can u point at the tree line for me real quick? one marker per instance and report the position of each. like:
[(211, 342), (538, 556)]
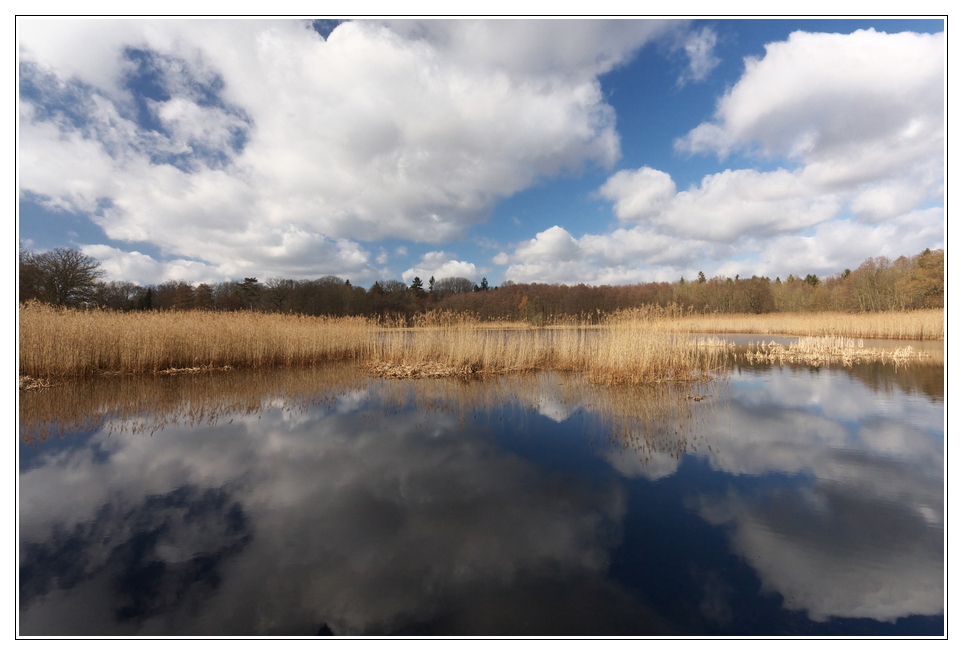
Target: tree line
[(67, 277)]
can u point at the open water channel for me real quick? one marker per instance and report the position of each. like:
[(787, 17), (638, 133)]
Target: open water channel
[(779, 500)]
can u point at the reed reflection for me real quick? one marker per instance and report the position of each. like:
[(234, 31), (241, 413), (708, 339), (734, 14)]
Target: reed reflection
[(653, 418), (913, 377)]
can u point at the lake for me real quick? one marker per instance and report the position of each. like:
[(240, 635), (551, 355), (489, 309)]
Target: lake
[(779, 500)]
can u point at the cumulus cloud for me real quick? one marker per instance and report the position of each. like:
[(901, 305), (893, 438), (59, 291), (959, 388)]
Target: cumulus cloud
[(139, 268), (837, 99), (856, 124), (558, 48), (440, 264), (623, 256), (239, 140), (639, 194)]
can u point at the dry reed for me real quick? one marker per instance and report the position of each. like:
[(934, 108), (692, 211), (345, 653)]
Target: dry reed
[(820, 351), (631, 347), (924, 324), (62, 342), (65, 342), (623, 353)]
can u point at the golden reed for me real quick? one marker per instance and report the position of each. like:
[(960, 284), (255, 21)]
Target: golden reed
[(58, 343), (637, 346), (65, 342), (917, 325)]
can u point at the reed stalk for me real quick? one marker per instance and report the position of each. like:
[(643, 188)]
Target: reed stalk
[(630, 347)]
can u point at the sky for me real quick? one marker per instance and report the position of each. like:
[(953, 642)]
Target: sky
[(560, 151)]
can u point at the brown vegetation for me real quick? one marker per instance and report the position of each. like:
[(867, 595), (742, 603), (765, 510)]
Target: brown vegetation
[(923, 324), (819, 351), (67, 342), (629, 347), (622, 351)]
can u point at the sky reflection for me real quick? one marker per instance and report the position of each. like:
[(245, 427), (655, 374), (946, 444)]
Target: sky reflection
[(278, 505)]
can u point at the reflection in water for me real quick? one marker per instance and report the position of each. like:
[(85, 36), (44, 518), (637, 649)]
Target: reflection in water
[(857, 531), (653, 419), (783, 501), (908, 377)]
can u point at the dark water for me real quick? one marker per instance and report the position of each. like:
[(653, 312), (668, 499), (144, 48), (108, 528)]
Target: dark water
[(782, 501)]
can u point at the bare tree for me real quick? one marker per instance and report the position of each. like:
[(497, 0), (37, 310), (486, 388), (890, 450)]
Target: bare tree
[(117, 295), (389, 286), (449, 285), (62, 276)]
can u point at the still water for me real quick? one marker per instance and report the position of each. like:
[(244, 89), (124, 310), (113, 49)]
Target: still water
[(778, 501)]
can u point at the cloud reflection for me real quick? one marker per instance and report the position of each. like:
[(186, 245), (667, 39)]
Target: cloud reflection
[(855, 526), (371, 521), (387, 507)]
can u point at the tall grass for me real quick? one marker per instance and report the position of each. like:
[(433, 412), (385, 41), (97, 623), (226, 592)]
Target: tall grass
[(819, 351), (630, 347), (61, 342), (65, 342), (637, 346), (624, 353), (923, 324)]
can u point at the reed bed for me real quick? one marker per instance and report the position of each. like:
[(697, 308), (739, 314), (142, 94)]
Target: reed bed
[(924, 324), (623, 353), (64, 342), (820, 351), (61, 342), (629, 347)]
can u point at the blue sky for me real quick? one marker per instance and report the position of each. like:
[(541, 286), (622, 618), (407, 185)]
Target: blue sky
[(603, 152)]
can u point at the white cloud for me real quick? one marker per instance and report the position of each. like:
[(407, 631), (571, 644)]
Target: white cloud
[(557, 48), (295, 253), (405, 129), (725, 206), (621, 257), (840, 100), (640, 193), (139, 268), (440, 264), (645, 254), (844, 243), (699, 48), (860, 119), (865, 125)]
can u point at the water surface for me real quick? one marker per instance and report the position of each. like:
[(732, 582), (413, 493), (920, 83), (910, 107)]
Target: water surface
[(780, 501)]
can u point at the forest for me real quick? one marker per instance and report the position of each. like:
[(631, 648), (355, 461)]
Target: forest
[(68, 278)]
